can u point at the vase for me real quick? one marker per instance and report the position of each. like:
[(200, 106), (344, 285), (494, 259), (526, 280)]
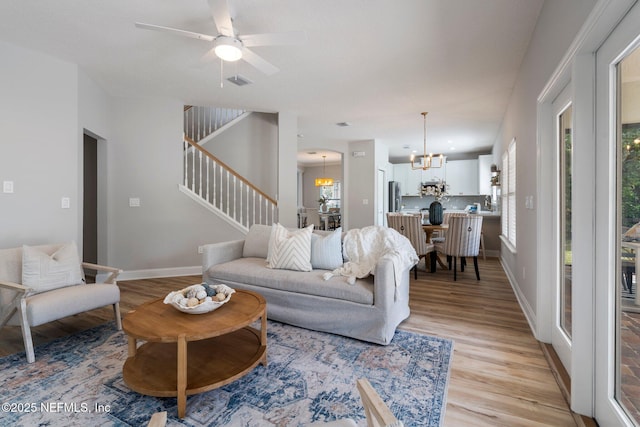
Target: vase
[(435, 213), (324, 208)]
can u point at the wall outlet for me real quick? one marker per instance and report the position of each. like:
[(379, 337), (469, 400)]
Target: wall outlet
[(365, 201), (65, 203)]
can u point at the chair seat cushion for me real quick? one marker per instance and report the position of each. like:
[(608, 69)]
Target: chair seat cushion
[(63, 302)]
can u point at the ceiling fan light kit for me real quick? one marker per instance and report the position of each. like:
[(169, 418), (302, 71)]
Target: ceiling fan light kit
[(428, 160), (228, 48)]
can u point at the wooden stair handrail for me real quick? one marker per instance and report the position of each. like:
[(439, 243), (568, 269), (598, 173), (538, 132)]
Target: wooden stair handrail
[(230, 169)]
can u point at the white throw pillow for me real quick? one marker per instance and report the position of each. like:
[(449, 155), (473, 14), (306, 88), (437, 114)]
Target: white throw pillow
[(290, 250), (43, 272), (326, 251)]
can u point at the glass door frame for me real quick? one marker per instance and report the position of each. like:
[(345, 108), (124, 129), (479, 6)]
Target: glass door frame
[(624, 39), (560, 341)]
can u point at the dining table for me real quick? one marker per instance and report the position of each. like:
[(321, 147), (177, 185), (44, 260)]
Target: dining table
[(326, 216), (429, 229)]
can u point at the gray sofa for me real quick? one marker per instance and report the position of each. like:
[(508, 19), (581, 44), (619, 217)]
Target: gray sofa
[(369, 310)]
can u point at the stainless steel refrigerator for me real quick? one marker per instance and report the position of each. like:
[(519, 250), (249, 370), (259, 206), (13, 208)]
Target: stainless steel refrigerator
[(395, 196)]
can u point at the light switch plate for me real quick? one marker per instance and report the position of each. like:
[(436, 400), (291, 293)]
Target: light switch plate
[(7, 186), (134, 202), (65, 203)]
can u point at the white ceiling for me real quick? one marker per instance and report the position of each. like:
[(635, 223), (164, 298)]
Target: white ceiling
[(376, 64)]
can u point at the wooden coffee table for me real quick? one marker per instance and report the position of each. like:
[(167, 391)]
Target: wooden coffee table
[(186, 354)]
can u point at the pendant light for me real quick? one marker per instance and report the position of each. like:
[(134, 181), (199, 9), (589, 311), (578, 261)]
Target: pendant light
[(323, 182), (428, 160)]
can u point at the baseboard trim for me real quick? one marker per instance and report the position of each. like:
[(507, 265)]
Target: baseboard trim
[(528, 312), (564, 382)]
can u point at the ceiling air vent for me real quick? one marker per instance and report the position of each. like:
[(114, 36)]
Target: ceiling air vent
[(239, 80)]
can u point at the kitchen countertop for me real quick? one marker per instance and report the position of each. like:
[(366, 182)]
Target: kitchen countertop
[(483, 213)]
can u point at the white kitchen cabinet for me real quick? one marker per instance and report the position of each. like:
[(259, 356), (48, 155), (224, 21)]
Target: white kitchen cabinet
[(411, 179), (400, 175), (484, 174), (414, 179), (436, 174), (462, 177)]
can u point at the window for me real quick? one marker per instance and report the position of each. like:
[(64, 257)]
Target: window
[(509, 194), (332, 193)]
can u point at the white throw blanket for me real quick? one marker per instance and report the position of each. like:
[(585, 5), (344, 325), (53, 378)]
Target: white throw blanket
[(363, 247)]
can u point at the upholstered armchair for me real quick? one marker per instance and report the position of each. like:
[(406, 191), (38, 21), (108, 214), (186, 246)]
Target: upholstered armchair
[(41, 284)]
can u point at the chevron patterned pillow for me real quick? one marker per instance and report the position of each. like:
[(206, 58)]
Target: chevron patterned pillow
[(290, 250)]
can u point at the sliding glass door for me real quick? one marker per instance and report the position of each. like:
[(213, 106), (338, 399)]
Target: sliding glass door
[(617, 228)]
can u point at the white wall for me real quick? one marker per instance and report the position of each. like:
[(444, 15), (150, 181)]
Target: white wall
[(38, 148), (251, 149), (46, 105), (558, 24), (144, 161), (287, 169)]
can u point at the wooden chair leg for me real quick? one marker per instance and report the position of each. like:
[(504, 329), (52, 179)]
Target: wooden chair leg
[(116, 313), (455, 269), (463, 263), (26, 332), (475, 264)]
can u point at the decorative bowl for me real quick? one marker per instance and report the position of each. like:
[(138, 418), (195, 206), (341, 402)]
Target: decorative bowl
[(199, 299)]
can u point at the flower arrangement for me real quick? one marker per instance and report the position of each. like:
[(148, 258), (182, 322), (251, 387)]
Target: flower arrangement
[(439, 191), (323, 200)]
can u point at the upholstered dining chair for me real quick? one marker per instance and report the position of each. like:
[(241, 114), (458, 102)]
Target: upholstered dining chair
[(462, 241), (410, 226), (313, 217), (445, 220)]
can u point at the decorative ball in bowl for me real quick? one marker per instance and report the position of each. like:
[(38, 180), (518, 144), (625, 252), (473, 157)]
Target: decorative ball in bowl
[(199, 299)]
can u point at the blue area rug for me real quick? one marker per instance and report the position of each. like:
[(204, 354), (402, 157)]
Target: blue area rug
[(311, 376)]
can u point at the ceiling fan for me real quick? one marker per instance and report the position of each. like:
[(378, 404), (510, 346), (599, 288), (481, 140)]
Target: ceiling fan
[(230, 46)]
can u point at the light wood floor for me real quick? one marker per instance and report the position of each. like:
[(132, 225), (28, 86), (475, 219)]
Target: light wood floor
[(499, 376)]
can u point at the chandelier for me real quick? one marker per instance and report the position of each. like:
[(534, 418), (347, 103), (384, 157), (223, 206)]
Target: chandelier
[(428, 160), (323, 182)]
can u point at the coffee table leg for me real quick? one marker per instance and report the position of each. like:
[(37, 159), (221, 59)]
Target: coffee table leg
[(133, 346), (182, 376), (263, 337)]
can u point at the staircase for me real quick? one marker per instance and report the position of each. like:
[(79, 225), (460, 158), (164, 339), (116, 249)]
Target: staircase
[(212, 183)]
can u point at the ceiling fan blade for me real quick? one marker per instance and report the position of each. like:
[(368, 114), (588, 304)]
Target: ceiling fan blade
[(175, 31), (273, 39), (222, 17), (259, 62), (209, 56)]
